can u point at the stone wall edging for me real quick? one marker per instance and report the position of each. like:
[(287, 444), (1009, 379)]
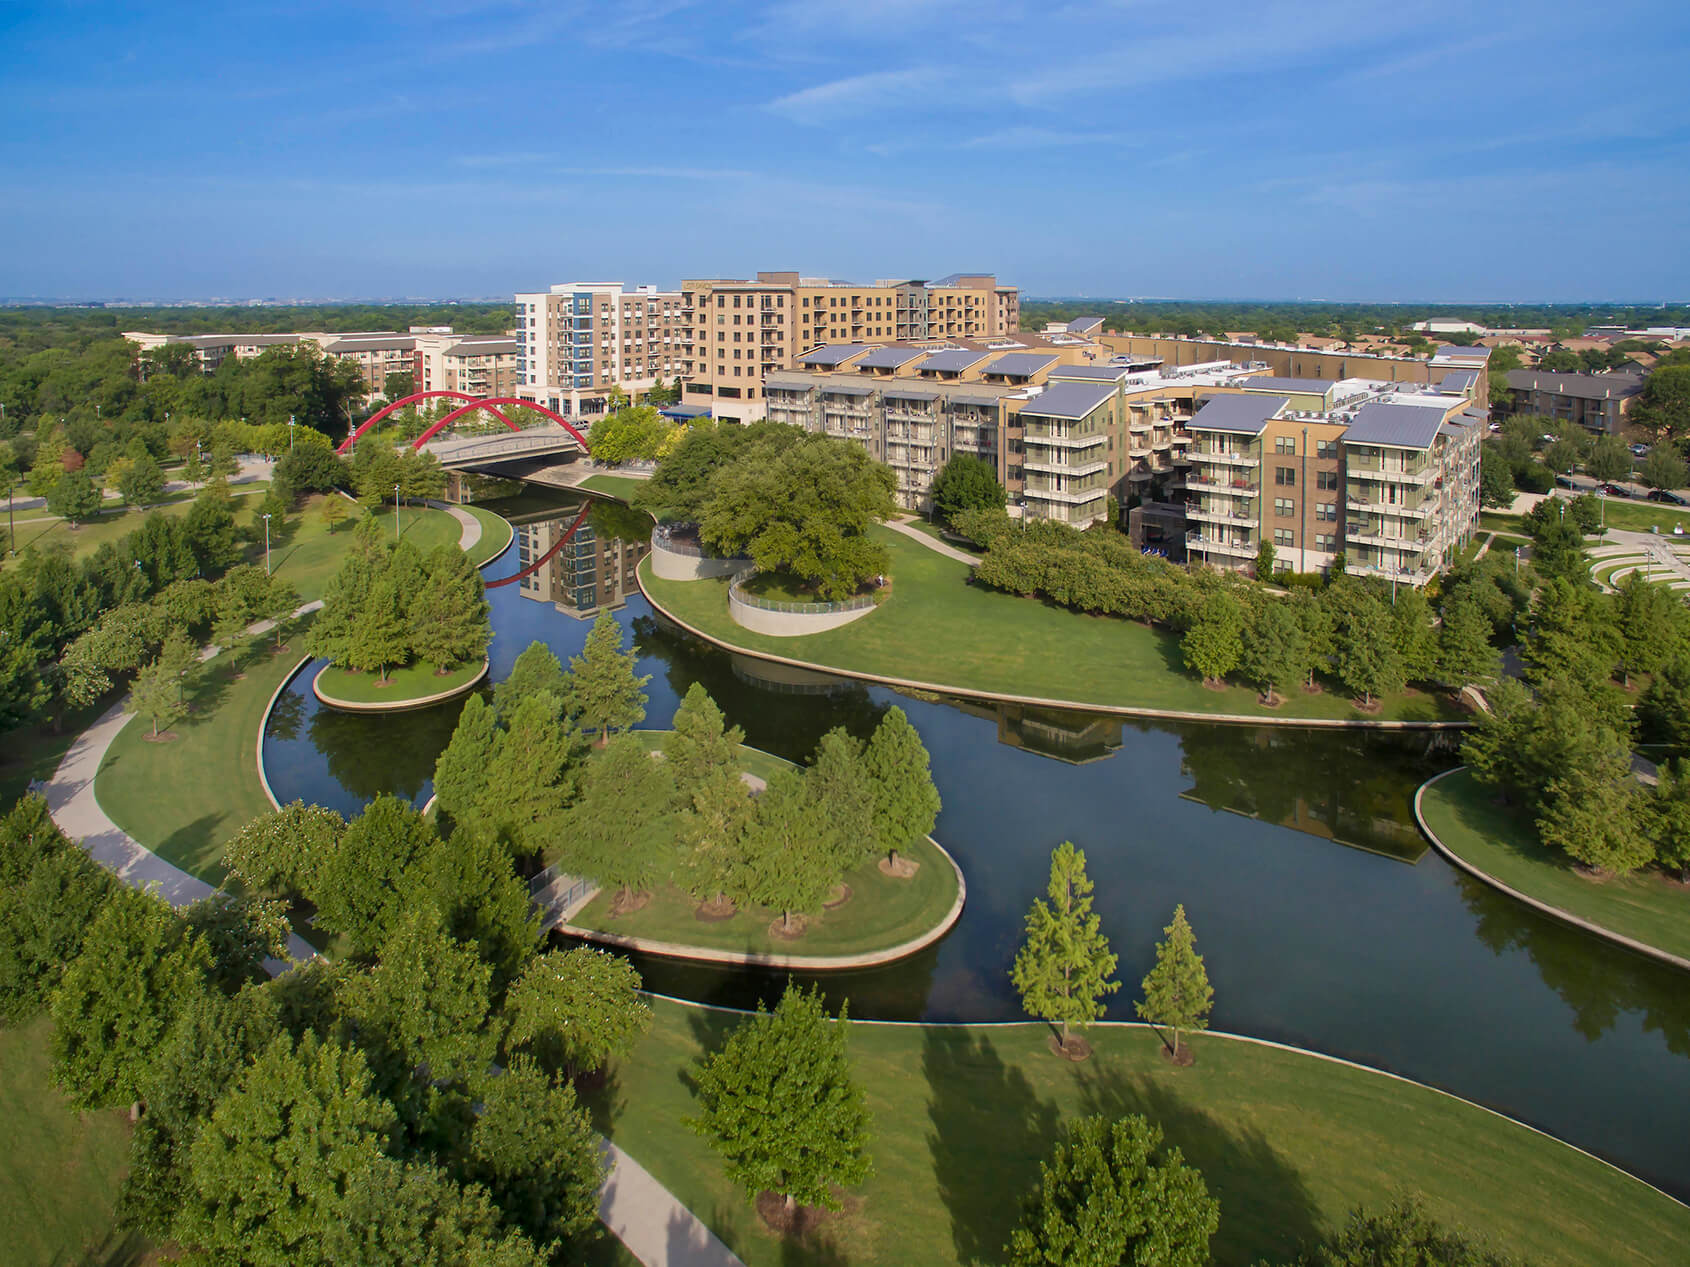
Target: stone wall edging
[(398, 706), (800, 963), (1554, 912), (1116, 710), (264, 727), (1226, 1037)]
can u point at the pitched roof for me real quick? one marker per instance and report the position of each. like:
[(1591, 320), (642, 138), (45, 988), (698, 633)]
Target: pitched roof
[(1452, 352), (1239, 413), (1584, 386), (1458, 380), (833, 354), (888, 358), (1403, 425), (1021, 364), (1068, 400), (953, 360)]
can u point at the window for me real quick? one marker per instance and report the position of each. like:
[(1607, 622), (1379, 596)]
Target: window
[(1284, 538), (1326, 448), (1285, 476), (1326, 479), (1285, 444), (1327, 511), (1325, 541), (1284, 507)]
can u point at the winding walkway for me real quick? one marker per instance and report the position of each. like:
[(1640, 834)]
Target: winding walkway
[(469, 527), (644, 1215), (932, 543)]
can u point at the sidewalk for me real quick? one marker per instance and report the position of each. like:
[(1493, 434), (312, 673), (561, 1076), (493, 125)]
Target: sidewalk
[(932, 543)]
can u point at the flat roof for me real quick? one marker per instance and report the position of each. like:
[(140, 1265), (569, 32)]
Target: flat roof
[(1248, 414), (953, 360), (1398, 423), (975, 395), (833, 354), (840, 388), (1093, 373), (888, 358), (1273, 383), (1021, 364), (1068, 400), (402, 343)]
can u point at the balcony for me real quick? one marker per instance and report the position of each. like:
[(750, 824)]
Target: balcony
[(1230, 457), (1078, 470), (1221, 514), (1212, 482), (1391, 474), (1198, 543), (1375, 535), (1367, 506)]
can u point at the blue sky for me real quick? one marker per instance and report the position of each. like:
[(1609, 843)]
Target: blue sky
[(1342, 149)]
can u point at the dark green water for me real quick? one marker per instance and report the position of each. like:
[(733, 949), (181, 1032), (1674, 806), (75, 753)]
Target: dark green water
[(1323, 919)]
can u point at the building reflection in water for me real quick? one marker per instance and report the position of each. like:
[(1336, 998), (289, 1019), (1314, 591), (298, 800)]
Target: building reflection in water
[(592, 571)]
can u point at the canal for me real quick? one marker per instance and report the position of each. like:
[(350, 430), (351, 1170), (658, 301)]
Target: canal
[(1324, 920)]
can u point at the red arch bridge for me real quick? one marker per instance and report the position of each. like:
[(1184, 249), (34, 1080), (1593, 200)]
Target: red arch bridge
[(524, 443)]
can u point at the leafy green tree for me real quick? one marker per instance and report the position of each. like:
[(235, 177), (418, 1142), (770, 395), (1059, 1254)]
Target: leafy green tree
[(1664, 709), (156, 696), (379, 638), (1415, 640), (778, 1104), (138, 966), (1465, 653), (239, 933), (1668, 817), (143, 482), (787, 862), (606, 690), (1496, 480), (398, 384), (806, 512), (1651, 625), (966, 483), (74, 497), (1276, 654), (1663, 406), (277, 605), (712, 833), (270, 1172), (1403, 1233), (1609, 459), (409, 1213), (285, 851), (1369, 660), (1177, 994), (536, 670), (577, 1010), (700, 744), (614, 832), (483, 902), (1663, 468), (533, 1148), (368, 881), (50, 892), (1110, 1194), (1318, 623), (532, 777), (1593, 814), (906, 804), (637, 433), (460, 772), (448, 615), (1211, 646), (334, 512), (1064, 968), (838, 782), (1264, 560)]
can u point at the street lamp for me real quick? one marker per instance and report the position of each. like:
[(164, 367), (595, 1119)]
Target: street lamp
[(290, 433), (396, 512), (266, 519)]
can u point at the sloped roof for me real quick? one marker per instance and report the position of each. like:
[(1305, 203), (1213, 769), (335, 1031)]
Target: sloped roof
[(1408, 426), (1068, 400), (1248, 414)]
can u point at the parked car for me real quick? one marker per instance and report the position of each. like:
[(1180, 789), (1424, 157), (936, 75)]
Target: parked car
[(1639, 450), (1617, 490), (1565, 481), (1546, 438), (1668, 496)]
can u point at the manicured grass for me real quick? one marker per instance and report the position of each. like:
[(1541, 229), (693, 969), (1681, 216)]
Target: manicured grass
[(622, 486), (882, 913), (47, 533), (1286, 1142), (186, 799), (937, 628), (1497, 839), (939, 534), (59, 1183), (413, 682), (309, 554), (496, 534), (777, 587), (1500, 521), (1640, 516)]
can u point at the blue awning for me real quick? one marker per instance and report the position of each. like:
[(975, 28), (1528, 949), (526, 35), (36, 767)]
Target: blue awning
[(685, 413)]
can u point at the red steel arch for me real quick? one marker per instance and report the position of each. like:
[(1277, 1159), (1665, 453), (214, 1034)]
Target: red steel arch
[(411, 400), (488, 403), (542, 560)]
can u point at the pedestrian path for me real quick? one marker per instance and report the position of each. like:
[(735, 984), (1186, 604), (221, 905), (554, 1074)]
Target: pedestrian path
[(469, 527), (643, 1214), (932, 543)]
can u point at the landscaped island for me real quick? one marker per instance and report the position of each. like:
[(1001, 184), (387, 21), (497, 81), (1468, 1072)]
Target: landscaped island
[(938, 631), (414, 686), (1287, 1142), (1465, 820)]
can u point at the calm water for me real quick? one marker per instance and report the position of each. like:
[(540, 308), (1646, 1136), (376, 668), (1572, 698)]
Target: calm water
[(1323, 919)]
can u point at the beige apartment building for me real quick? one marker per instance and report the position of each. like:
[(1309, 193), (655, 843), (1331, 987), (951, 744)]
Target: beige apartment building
[(478, 365), (589, 573), (740, 331), (579, 340)]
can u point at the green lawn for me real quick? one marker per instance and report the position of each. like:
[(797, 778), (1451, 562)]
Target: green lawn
[(765, 765), (58, 1187), (308, 554), (496, 534), (185, 800), (621, 486), (45, 532), (882, 913), (1646, 906), (1286, 1142), (939, 534), (937, 628), (1640, 516), (413, 682)]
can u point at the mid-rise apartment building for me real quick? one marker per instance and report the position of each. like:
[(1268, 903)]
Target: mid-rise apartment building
[(479, 365), (1596, 402), (375, 355), (579, 340), (738, 331)]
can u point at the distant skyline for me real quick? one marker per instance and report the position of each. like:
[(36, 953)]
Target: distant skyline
[(1336, 150)]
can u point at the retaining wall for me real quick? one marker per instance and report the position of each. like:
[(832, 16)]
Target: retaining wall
[(683, 565)]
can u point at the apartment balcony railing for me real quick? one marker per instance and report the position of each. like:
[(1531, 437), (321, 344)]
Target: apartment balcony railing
[(1066, 497), (1210, 481), (1197, 541), (1065, 442), (1375, 535), (1380, 472), (1076, 470), (1230, 457), (1220, 514), (1408, 576), (1369, 506)]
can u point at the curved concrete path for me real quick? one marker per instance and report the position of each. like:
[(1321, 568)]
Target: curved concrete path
[(469, 527), (932, 543)]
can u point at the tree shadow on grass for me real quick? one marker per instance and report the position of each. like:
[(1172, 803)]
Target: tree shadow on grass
[(196, 847), (114, 1249), (990, 1132), (603, 1099), (1266, 1208)]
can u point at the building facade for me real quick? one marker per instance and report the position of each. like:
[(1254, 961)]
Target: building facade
[(1596, 402), (479, 365), (582, 576), (579, 341)]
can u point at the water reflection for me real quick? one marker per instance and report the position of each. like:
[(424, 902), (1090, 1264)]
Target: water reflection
[(1346, 950)]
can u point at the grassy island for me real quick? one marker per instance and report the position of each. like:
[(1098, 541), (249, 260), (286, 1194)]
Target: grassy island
[(1286, 1141), (404, 688), (937, 629), (1465, 817)]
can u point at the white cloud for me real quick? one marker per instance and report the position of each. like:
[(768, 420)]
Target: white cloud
[(853, 95)]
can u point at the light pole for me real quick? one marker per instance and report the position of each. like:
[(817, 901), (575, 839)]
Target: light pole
[(290, 433), (396, 512), (266, 519)]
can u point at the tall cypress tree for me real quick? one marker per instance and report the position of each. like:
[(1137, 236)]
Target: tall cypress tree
[(606, 689), (701, 745), (1177, 994), (906, 804), (1063, 969)]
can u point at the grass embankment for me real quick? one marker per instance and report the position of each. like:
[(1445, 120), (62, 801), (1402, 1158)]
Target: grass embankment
[(58, 1189), (496, 534), (186, 799), (1288, 1143), (403, 687), (620, 486), (1646, 906), (937, 628)]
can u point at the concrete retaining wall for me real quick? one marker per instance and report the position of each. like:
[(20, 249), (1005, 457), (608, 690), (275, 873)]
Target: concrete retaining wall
[(673, 565), (788, 624)]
